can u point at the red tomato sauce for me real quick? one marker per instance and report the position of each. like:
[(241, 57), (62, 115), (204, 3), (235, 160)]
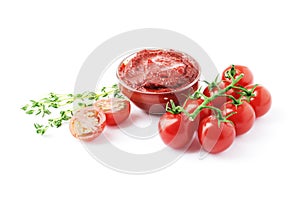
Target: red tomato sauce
[(158, 71)]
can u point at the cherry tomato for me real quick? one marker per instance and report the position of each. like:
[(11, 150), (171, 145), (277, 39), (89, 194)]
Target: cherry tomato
[(215, 138), (262, 100), (219, 101), (244, 116), (87, 123), (176, 130), (116, 110), (239, 69)]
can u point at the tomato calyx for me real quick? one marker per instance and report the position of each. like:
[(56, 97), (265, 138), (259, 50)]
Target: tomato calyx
[(230, 73), (198, 94), (247, 93), (173, 109), (214, 84)]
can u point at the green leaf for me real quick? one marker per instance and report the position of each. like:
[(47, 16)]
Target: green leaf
[(50, 122), (30, 112), (47, 112), (103, 89), (25, 107), (81, 104), (57, 123), (38, 112), (36, 125), (53, 96), (115, 86), (41, 131), (91, 98), (35, 103), (54, 105), (66, 118)]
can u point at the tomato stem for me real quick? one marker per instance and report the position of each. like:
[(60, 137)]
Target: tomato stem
[(234, 100), (247, 93), (217, 110)]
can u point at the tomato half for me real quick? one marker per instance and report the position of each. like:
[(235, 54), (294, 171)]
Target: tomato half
[(215, 138), (239, 69), (176, 130), (244, 116), (261, 101), (116, 110), (87, 123)]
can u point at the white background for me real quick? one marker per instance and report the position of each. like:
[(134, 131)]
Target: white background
[(43, 45)]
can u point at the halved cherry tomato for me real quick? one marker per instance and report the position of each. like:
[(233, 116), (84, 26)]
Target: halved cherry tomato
[(176, 130), (215, 138), (239, 69), (116, 110), (87, 123), (244, 116), (262, 100)]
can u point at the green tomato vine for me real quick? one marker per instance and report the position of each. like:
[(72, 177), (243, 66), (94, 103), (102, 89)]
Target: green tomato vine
[(244, 94)]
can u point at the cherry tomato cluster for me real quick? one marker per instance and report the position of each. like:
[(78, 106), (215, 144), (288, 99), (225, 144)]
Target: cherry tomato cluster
[(89, 122), (223, 110)]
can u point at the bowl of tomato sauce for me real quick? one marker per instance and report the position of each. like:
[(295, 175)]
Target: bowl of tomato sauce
[(150, 78)]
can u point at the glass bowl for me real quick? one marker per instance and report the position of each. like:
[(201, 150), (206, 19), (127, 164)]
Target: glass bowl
[(150, 78)]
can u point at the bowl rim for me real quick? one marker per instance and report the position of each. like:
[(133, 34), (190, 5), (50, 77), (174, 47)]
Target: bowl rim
[(130, 56)]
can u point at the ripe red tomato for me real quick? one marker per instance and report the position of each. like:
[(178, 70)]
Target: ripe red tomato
[(244, 116), (116, 110), (176, 130), (262, 100), (239, 69), (87, 123), (214, 138), (219, 101)]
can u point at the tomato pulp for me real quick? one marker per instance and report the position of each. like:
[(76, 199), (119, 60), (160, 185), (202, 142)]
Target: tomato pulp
[(116, 110), (158, 71), (87, 123)]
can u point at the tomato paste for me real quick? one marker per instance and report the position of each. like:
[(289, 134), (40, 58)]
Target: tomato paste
[(158, 70)]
